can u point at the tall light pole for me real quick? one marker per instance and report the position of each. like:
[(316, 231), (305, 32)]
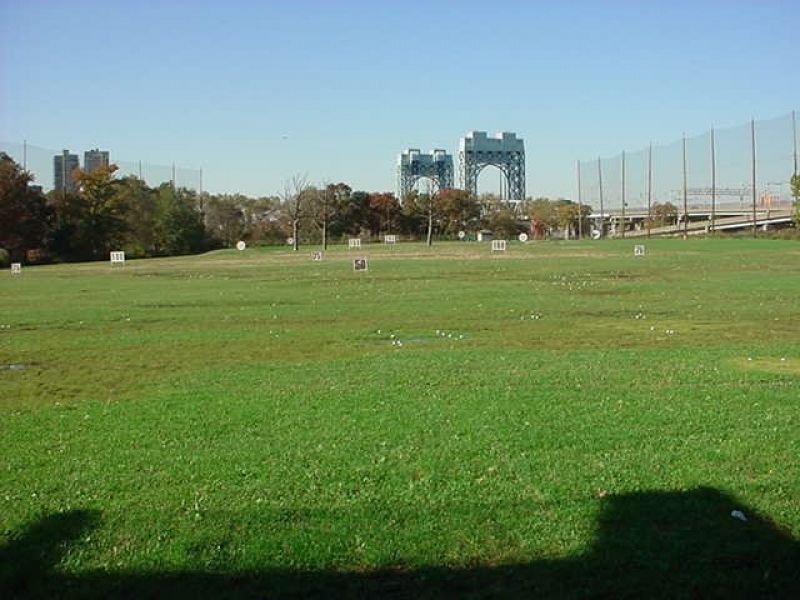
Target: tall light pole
[(685, 193), (713, 182), (602, 214), (753, 155), (649, 185), (580, 206), (623, 194)]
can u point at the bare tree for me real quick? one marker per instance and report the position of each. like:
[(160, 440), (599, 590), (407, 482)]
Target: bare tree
[(324, 210), (293, 200), (432, 196)]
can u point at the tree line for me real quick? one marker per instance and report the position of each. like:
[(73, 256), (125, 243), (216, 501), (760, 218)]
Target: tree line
[(106, 212)]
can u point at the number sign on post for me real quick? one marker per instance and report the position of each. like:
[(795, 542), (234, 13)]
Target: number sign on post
[(316, 256), (354, 243), (16, 268), (498, 245), (118, 258), (638, 250), (390, 238), (360, 264)]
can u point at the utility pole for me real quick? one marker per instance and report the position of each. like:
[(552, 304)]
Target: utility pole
[(25, 155), (649, 184), (602, 213), (753, 154), (580, 206), (713, 182), (685, 201), (623, 194)]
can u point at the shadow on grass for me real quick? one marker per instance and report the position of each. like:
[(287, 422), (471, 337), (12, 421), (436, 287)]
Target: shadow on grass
[(651, 544)]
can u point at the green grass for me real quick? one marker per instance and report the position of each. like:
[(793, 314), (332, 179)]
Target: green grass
[(241, 423)]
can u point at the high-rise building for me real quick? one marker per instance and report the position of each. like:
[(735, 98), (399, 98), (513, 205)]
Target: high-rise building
[(64, 165), (93, 159)]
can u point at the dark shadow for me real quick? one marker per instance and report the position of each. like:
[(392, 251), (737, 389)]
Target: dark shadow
[(649, 544)]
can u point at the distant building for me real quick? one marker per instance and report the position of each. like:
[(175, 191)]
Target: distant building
[(94, 159), (64, 165)]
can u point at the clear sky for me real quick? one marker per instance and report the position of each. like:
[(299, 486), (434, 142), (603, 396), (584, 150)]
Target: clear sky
[(254, 92)]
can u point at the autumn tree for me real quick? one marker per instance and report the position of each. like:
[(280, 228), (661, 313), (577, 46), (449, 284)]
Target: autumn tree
[(383, 211), (459, 210), (500, 217), (663, 214)]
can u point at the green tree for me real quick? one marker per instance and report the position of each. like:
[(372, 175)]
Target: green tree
[(184, 230), (263, 221), (225, 217), (144, 217), (24, 214)]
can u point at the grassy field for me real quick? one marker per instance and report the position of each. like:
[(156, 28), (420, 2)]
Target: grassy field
[(561, 420)]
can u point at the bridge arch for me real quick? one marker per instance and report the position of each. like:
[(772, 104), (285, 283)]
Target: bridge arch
[(504, 151)]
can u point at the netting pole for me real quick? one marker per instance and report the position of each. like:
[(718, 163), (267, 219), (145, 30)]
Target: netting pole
[(713, 182), (753, 155), (649, 184), (623, 194), (794, 139), (602, 213), (580, 206), (685, 201)]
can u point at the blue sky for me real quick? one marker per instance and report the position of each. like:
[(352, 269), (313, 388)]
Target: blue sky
[(254, 92)]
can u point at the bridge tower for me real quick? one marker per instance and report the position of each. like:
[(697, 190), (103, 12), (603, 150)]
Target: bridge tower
[(412, 166), (505, 151)]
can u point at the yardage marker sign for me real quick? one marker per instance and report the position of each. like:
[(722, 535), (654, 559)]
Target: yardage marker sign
[(118, 258), (498, 245), (354, 243), (360, 264)]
